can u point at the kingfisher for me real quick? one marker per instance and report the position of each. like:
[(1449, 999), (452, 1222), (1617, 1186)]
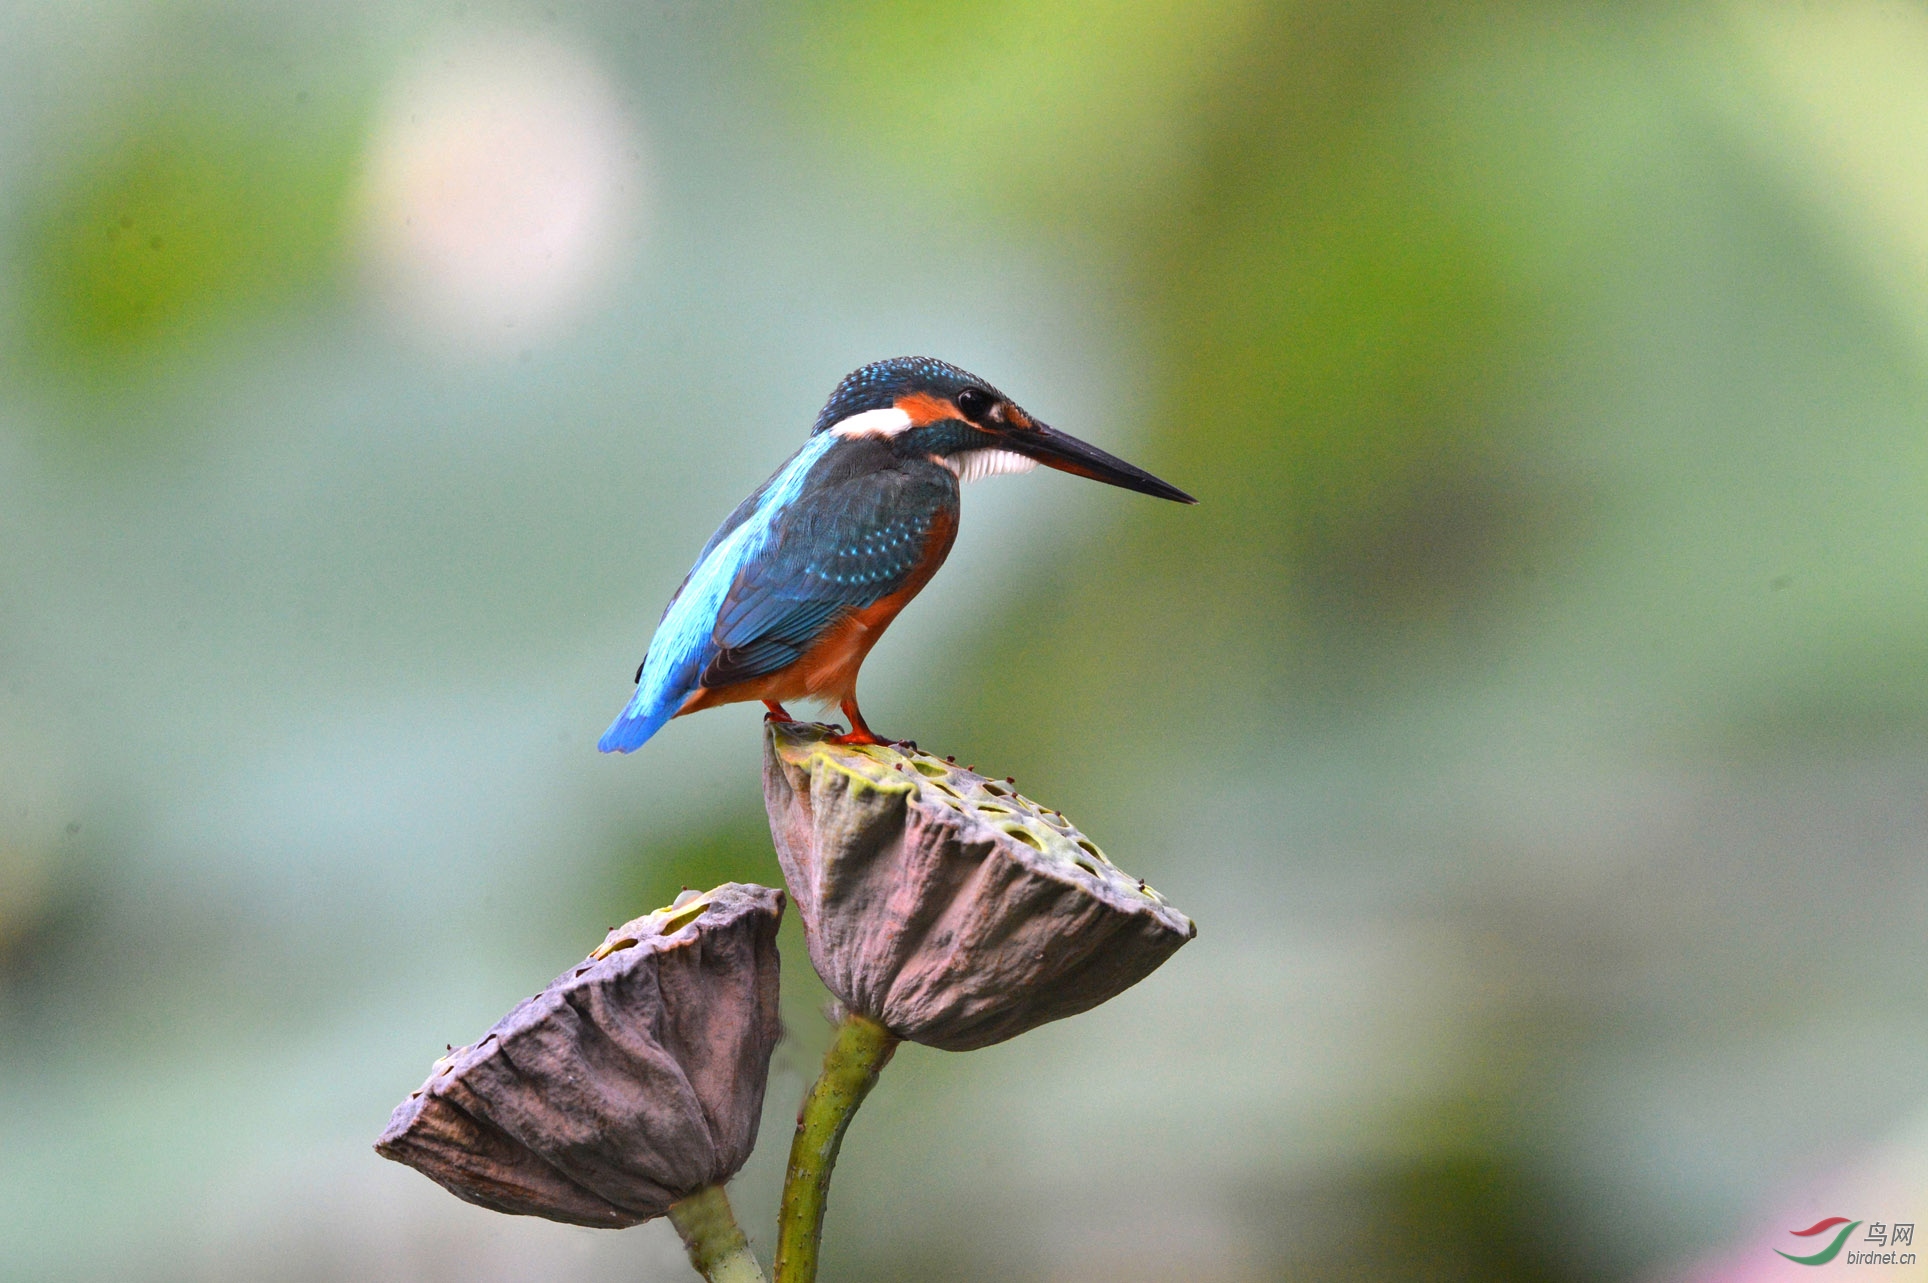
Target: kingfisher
[(796, 586)]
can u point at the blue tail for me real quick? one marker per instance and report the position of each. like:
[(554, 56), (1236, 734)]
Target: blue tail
[(637, 723)]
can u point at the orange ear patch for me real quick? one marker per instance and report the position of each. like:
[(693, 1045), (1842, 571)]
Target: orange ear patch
[(924, 408)]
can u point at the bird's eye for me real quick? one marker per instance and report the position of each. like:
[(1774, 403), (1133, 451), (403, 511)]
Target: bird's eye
[(974, 402)]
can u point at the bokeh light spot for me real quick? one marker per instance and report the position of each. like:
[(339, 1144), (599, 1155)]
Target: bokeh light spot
[(501, 182)]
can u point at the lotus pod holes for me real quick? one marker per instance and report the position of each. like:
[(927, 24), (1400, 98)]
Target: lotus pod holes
[(1025, 836), (688, 907)]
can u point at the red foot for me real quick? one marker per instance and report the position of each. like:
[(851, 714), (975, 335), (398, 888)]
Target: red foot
[(777, 713), (859, 732)]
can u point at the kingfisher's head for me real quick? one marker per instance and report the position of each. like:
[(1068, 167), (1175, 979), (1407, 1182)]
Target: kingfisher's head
[(928, 408)]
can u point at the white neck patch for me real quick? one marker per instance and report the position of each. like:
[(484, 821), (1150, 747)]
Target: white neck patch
[(972, 465), (887, 422)]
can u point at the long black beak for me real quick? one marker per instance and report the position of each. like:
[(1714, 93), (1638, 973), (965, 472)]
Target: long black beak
[(1061, 450)]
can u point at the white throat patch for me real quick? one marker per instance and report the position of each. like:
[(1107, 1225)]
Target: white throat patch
[(887, 422), (972, 465)]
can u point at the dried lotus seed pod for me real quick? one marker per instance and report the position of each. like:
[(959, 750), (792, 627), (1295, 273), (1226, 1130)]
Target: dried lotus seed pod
[(633, 1081), (944, 905)]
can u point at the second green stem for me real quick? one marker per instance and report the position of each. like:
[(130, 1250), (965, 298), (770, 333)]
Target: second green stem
[(859, 1052)]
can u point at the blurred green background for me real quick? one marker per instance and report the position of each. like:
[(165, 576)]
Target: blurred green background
[(1533, 713)]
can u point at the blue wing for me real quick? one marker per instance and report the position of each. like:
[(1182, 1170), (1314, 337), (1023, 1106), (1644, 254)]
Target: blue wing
[(772, 584), (840, 548), (682, 644)]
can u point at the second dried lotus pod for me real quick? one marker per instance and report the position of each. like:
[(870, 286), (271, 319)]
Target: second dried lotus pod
[(632, 1082), (945, 906)]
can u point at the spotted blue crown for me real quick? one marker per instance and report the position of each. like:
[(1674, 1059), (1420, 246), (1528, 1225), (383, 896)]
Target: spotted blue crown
[(879, 384)]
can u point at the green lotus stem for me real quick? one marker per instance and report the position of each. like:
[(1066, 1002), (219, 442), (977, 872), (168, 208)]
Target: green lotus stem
[(716, 1244), (857, 1055)]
